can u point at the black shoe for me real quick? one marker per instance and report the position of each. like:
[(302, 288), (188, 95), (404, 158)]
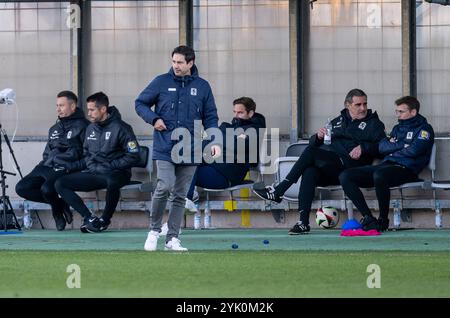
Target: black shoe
[(383, 225), (299, 228), (268, 193), (369, 223), (59, 221), (83, 227), (67, 213), (103, 225), (90, 225), (93, 225)]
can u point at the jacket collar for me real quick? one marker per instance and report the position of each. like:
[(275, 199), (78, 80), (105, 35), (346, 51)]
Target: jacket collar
[(415, 121), (187, 78)]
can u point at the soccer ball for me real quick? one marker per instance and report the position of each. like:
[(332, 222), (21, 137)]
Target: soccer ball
[(327, 217)]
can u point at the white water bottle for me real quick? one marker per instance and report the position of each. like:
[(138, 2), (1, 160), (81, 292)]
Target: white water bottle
[(438, 218), (27, 220), (207, 218), (397, 217), (327, 137)]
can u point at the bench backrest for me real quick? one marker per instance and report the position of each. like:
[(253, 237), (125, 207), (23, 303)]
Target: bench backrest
[(145, 159), (295, 150)]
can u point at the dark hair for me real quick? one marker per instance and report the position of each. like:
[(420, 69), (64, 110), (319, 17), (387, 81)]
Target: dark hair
[(99, 98), (409, 101), (354, 92), (69, 95), (247, 102), (186, 51)]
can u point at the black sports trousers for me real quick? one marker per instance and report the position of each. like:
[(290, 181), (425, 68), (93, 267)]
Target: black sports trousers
[(382, 177), (85, 182)]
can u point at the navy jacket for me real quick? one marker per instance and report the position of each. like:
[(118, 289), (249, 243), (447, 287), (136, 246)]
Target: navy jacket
[(110, 145), (178, 102), (64, 148), (235, 171), (414, 139), (347, 134)]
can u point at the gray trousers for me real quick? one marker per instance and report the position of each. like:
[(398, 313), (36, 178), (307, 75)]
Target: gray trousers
[(173, 180)]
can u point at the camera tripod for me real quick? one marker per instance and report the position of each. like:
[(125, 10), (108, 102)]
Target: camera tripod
[(5, 203), (6, 208)]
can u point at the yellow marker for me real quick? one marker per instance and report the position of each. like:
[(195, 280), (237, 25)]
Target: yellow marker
[(229, 205), (245, 214), (245, 218)]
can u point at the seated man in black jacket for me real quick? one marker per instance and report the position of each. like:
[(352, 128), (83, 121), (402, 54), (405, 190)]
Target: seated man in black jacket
[(235, 166), (61, 156), (110, 150), (354, 142), (407, 150)]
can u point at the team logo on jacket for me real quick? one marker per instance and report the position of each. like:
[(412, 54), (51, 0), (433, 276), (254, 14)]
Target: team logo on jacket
[(362, 125), (425, 135), (55, 135), (69, 134), (107, 135), (193, 91), (92, 136), (409, 135), (132, 146)]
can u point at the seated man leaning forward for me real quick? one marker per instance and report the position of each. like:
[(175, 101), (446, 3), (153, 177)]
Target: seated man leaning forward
[(235, 164), (407, 151), (354, 142), (62, 155), (110, 150)]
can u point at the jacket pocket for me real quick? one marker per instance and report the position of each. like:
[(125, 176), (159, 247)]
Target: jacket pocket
[(195, 109), (167, 110)]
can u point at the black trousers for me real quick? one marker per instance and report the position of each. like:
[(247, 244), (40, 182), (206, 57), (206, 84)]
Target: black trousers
[(317, 167), (39, 186), (382, 177), (85, 182)]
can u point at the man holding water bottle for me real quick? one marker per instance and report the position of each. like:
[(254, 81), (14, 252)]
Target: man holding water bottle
[(354, 134)]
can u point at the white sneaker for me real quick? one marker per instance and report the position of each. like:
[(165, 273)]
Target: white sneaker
[(152, 241), (197, 221), (190, 206), (174, 245)]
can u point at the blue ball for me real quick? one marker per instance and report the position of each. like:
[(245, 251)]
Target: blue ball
[(234, 246), (266, 242)]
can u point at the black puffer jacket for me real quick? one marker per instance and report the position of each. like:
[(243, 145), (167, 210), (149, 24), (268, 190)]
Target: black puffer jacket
[(348, 134), (64, 148), (232, 167), (110, 145)]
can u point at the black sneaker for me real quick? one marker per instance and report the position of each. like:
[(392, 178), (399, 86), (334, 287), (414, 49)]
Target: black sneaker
[(299, 228), (90, 225), (103, 225), (383, 225), (369, 223), (268, 193), (83, 227), (60, 222), (93, 226), (67, 213)]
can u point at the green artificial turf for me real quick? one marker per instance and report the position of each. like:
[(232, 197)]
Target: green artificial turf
[(231, 273)]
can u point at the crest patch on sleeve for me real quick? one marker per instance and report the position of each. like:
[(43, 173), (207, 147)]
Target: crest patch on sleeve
[(424, 135), (132, 146)]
